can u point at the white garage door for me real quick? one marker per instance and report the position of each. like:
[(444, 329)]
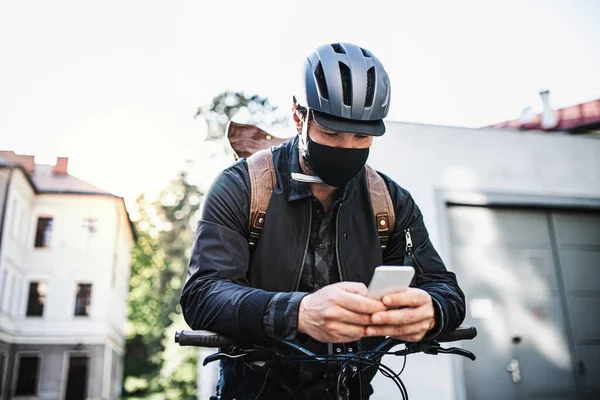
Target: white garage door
[(532, 281)]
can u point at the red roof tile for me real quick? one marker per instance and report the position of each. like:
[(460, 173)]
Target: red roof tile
[(574, 118)]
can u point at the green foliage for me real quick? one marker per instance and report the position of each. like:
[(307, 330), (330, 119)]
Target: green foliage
[(155, 367), (227, 105), (158, 269), (143, 334)]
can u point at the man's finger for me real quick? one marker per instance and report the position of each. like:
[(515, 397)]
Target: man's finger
[(346, 316), (353, 287), (412, 297), (403, 331), (359, 303), (403, 316), (342, 332)]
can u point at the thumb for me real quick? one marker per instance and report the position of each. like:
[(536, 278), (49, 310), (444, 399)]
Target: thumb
[(353, 287)]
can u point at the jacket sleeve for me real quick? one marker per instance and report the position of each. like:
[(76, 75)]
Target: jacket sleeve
[(431, 273), (216, 295)]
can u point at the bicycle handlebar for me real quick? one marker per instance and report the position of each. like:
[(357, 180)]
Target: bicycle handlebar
[(204, 338), (286, 350), (459, 334)]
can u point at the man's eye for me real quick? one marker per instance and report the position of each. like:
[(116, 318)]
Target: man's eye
[(331, 134)]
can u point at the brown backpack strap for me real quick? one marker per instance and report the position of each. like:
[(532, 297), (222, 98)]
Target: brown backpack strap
[(383, 207), (262, 182)]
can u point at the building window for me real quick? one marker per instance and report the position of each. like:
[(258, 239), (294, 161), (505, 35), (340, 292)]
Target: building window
[(28, 375), (43, 234), (36, 299), (90, 225), (82, 301), (3, 363)]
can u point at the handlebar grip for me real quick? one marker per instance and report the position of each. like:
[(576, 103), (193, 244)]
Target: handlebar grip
[(203, 339), (459, 334)]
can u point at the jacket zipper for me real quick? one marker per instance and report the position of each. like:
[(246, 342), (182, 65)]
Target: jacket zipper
[(337, 242), (409, 246), (305, 247)]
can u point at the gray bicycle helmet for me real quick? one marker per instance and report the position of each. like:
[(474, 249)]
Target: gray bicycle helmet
[(347, 89)]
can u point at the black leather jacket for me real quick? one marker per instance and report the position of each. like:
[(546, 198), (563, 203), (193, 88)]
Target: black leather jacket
[(228, 288)]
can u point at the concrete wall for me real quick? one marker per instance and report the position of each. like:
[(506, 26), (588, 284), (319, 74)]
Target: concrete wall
[(6, 349), (116, 376), (436, 163)]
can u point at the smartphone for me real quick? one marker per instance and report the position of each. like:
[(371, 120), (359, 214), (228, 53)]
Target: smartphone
[(388, 279)]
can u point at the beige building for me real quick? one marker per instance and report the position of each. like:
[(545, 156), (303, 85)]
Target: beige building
[(64, 269)]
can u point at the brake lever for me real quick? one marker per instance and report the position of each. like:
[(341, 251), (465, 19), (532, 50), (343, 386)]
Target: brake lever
[(433, 348), (213, 357), (247, 354), (458, 351)]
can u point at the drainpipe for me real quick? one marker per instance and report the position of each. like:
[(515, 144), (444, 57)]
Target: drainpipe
[(3, 217)]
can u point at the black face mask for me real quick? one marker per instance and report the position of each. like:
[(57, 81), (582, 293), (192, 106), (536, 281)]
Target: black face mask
[(336, 166)]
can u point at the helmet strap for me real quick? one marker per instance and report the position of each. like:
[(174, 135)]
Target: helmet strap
[(303, 148), (303, 142)]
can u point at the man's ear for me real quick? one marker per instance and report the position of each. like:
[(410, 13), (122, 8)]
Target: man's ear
[(297, 121)]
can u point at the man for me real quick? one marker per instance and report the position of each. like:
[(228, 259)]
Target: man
[(305, 279)]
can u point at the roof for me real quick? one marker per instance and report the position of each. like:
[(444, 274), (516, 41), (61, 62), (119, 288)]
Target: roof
[(578, 118), (46, 181), (48, 178), (5, 163)]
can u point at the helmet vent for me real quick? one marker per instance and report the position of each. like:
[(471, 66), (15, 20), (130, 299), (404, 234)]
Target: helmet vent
[(346, 83), (370, 87), (338, 48), (366, 53), (321, 83)]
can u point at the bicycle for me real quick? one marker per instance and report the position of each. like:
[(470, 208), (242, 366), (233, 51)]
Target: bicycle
[(348, 364)]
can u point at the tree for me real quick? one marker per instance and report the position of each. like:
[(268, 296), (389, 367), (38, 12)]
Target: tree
[(143, 333), (159, 265), (227, 105), (166, 227)]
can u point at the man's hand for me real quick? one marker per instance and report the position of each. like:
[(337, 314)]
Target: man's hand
[(338, 313), (410, 323)]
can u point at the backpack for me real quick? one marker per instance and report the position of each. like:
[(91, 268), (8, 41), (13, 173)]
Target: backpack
[(255, 144)]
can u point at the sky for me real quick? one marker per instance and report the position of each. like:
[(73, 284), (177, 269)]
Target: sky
[(114, 85)]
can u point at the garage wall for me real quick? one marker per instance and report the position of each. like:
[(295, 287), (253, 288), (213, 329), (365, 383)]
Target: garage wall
[(438, 162)]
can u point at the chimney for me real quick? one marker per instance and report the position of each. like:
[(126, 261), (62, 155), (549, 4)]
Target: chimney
[(24, 161), (61, 166), (549, 120)]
